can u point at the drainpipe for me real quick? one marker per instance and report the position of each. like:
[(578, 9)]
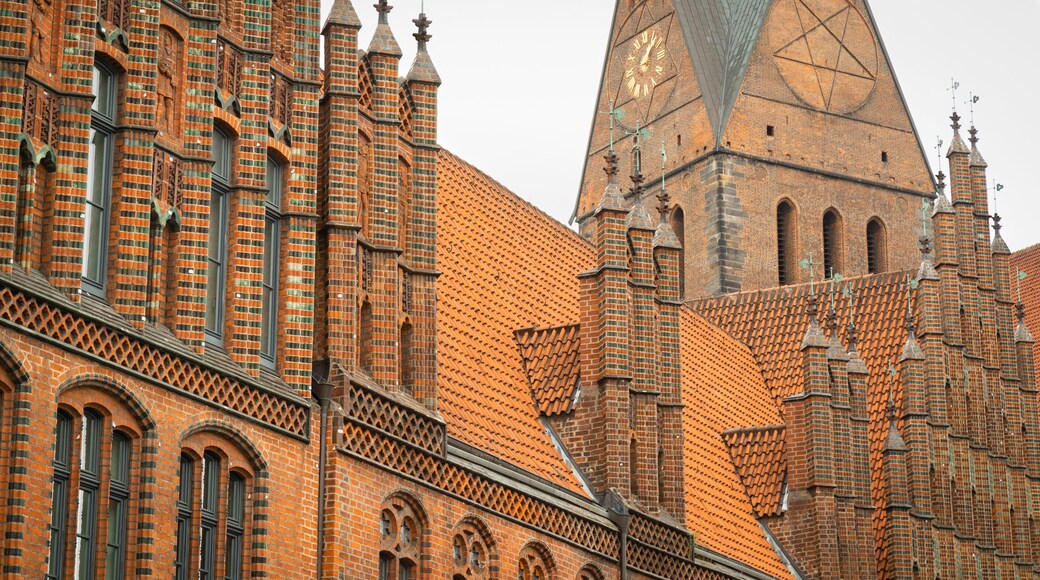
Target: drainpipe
[(618, 513), (322, 391)]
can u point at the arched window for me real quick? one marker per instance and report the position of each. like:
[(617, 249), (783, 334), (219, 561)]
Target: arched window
[(536, 563), (401, 531), (212, 513), (473, 551), (272, 262), (98, 194), (216, 259), (590, 572), (877, 247), (81, 454), (786, 250), (833, 243), (679, 227)]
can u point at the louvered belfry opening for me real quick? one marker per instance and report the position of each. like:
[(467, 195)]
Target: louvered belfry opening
[(785, 252), (876, 255), (831, 243)]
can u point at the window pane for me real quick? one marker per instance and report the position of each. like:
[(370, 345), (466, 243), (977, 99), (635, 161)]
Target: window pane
[(120, 460), (269, 317), (221, 156), (90, 456), (85, 534), (183, 546), (236, 500), (187, 477), (116, 539), (274, 183), (207, 552), (234, 557), (103, 91), (59, 502), (98, 196), (215, 274), (210, 482)]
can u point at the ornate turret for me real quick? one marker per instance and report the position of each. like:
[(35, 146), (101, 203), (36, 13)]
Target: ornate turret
[(343, 14), (383, 41), (422, 70)]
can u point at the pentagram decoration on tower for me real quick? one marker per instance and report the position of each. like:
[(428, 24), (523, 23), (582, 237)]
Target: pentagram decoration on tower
[(826, 52)]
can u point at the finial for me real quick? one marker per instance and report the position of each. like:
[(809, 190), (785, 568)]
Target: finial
[(637, 161), (383, 8), (996, 223), (851, 331), (810, 265), (612, 166), (423, 24), (892, 393), (972, 99), (956, 122), (925, 210), (832, 312), (997, 188), (974, 139), (615, 115), (911, 285), (942, 181), (665, 200)]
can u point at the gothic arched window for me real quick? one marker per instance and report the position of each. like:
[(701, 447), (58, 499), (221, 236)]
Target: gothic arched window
[(877, 247), (536, 563), (473, 551), (786, 250), (833, 243), (590, 572), (401, 529)]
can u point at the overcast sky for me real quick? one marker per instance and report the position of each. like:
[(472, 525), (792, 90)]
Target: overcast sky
[(521, 78)]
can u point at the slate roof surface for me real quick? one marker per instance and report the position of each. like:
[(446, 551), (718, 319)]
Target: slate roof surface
[(507, 301), (758, 455), (552, 362), (1028, 261), (505, 266), (721, 36)]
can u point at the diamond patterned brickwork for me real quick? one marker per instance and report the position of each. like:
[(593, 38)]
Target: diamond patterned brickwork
[(551, 361), (372, 408), (758, 455), (37, 315)]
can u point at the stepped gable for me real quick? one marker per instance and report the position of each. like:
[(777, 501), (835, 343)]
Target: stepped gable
[(551, 359), (505, 265), (722, 389), (758, 455), (1028, 261), (721, 37)]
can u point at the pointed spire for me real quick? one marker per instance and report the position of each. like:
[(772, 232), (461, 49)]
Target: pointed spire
[(894, 442), (957, 146), (612, 199), (383, 41), (976, 156), (422, 70), (343, 14), (999, 245), (814, 336), (856, 364), (942, 203)]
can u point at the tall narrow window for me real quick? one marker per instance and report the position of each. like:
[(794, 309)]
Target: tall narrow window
[(679, 227), (99, 180), (407, 359), (185, 494), (236, 517), (272, 254), (119, 498), (877, 247), (216, 272), (786, 253), (60, 495), (210, 500), (832, 243), (89, 482), (633, 466)]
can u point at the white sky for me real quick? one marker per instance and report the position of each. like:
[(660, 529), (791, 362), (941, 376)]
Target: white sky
[(521, 78)]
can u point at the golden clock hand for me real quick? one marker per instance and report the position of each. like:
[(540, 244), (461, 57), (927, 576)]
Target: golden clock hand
[(646, 58)]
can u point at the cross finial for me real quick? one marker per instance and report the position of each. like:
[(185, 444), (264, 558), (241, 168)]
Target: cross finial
[(911, 285), (423, 24), (383, 7)]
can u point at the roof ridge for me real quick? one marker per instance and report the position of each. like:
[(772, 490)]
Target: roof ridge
[(793, 288), (499, 186)]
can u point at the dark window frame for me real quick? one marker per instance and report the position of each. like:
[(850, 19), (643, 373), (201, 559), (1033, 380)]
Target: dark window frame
[(236, 527), (185, 514), (272, 263), (98, 205), (217, 255), (209, 515), (62, 464), (90, 475), (118, 506)]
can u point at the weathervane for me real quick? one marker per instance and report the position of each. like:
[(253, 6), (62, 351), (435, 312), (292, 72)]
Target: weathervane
[(997, 188), (954, 85), (972, 100), (810, 265), (1021, 276)]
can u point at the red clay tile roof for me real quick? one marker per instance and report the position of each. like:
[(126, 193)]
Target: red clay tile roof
[(552, 362), (773, 322), (508, 266), (1028, 261), (758, 455), (722, 390), (505, 265)]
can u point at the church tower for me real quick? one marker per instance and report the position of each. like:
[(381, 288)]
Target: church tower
[(786, 133)]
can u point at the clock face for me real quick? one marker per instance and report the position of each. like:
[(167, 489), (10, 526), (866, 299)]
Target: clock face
[(646, 63)]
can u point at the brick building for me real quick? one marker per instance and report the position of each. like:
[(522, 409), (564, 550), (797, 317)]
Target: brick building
[(254, 322)]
